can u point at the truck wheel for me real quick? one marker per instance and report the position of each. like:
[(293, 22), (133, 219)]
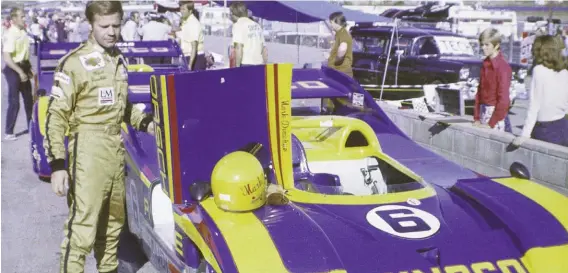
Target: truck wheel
[(131, 257)]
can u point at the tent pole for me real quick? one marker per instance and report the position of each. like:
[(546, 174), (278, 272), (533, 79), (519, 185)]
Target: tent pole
[(388, 58), (298, 40), (224, 19)]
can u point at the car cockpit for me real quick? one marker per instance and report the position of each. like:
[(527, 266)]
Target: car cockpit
[(341, 156)]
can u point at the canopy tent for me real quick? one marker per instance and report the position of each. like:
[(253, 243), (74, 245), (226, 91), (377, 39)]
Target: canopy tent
[(305, 11), (315, 11)]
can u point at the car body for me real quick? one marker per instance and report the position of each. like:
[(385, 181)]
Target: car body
[(324, 141), (144, 57), (418, 56)]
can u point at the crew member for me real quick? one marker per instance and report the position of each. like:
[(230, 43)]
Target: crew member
[(341, 55), (89, 98), (248, 38), (191, 37), (18, 70), (130, 30)]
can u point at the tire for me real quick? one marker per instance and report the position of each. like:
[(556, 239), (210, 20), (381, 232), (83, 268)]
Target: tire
[(131, 257)]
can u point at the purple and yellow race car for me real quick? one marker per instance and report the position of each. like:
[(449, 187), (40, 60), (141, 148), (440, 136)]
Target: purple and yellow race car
[(299, 170), (143, 58)]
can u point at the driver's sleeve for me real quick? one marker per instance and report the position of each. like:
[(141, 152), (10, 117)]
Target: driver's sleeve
[(65, 87), (135, 117)]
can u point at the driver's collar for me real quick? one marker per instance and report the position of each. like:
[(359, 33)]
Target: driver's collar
[(99, 48)]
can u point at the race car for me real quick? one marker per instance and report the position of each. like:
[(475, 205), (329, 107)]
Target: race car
[(273, 169), (143, 58)]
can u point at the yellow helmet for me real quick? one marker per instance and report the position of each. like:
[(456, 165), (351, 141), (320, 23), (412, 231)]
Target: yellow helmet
[(238, 182)]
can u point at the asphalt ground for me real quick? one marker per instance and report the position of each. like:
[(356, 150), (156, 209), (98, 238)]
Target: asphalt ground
[(33, 216)]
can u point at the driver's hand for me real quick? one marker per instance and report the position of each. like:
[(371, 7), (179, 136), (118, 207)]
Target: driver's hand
[(150, 129), (60, 182)]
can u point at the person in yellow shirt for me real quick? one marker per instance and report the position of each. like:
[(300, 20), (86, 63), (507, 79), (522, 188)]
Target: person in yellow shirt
[(191, 37), (341, 55), (18, 70)]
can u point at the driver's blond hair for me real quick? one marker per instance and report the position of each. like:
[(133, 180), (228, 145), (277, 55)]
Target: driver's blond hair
[(490, 35), (103, 8)]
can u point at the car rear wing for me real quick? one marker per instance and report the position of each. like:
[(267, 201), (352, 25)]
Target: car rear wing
[(49, 53)]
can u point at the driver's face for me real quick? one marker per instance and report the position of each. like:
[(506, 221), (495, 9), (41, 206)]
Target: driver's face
[(106, 29), (489, 49)]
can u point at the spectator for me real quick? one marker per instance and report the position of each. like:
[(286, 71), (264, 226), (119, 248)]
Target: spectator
[(61, 29), (52, 34), (548, 106), (130, 28), (18, 70), (492, 98), (84, 29), (248, 37), (35, 29), (341, 55), (74, 35)]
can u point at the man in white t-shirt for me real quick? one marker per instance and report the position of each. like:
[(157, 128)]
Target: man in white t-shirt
[(248, 38), (191, 37), (155, 30)]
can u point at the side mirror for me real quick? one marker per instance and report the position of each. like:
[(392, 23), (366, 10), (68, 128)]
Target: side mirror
[(399, 52), (200, 190), (519, 170)]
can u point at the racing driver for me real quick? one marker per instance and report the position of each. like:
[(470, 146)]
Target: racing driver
[(89, 98)]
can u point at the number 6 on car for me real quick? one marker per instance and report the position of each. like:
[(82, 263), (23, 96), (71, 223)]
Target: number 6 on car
[(405, 222)]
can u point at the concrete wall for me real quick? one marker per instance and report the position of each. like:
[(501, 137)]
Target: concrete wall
[(483, 150)]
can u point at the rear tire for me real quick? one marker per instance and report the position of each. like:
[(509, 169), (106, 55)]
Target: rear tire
[(131, 257)]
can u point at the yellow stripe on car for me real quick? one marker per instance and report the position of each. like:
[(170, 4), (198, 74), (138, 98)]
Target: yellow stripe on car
[(191, 231), (552, 201), (543, 259), (167, 133), (248, 237), (318, 198), (546, 259)]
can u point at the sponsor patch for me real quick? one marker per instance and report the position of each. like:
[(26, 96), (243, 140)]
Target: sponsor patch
[(56, 92), (106, 96), (62, 78), (92, 61)]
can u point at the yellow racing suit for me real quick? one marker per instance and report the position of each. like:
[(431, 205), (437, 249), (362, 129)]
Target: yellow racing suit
[(89, 97)]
